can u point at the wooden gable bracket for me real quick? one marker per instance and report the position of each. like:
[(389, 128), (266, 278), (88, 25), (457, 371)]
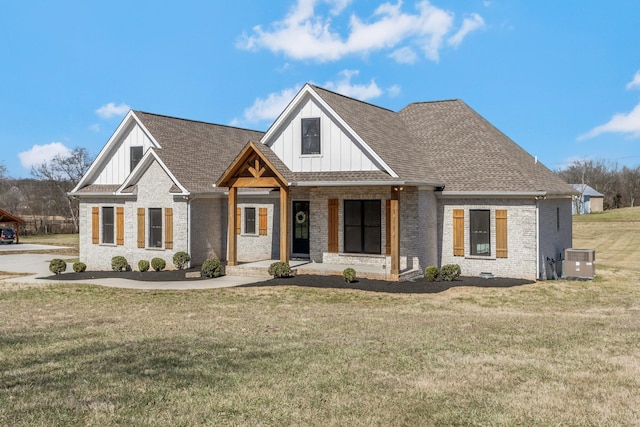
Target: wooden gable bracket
[(251, 169)]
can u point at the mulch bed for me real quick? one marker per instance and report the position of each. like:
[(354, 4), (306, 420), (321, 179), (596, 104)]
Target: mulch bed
[(417, 286)]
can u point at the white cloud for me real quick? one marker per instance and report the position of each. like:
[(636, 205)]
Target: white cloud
[(394, 91), (112, 110), (95, 127), (357, 91), (39, 154), (635, 83), (404, 55), (619, 123), (303, 34), (468, 25), (270, 107)]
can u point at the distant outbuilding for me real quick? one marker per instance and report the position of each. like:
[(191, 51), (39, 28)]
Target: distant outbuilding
[(588, 201), (14, 221)]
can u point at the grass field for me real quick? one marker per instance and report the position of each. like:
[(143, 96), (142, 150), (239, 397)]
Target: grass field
[(551, 353)]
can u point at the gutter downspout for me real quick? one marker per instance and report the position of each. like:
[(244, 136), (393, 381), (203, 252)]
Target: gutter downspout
[(537, 239), (189, 228)]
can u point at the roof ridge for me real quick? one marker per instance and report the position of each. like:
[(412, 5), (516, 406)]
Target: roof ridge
[(350, 98), (196, 121)]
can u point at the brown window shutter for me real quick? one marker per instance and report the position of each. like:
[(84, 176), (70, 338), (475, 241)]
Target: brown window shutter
[(120, 225), (95, 225), (262, 213), (458, 232), (333, 225), (168, 228), (501, 233), (238, 218), (387, 227), (141, 227)]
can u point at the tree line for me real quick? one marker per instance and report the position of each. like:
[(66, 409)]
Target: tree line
[(620, 186), (42, 200)]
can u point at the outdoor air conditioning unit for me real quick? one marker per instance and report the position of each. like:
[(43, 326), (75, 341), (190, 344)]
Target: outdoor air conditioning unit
[(579, 263)]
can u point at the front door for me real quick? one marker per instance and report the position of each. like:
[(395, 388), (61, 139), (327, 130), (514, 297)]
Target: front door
[(300, 244)]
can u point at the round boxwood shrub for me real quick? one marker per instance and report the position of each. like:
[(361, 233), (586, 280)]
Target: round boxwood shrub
[(431, 273), (180, 260), (349, 275), (279, 269), (450, 272), (57, 266), (79, 267), (119, 263), (143, 265), (158, 264), (211, 268)]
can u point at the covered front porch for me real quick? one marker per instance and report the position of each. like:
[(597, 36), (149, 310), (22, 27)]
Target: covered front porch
[(254, 168)]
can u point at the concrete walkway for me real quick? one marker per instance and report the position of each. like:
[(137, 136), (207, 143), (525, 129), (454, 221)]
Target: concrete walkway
[(37, 265)]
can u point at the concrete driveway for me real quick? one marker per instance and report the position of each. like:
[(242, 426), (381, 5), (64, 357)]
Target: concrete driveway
[(37, 265)]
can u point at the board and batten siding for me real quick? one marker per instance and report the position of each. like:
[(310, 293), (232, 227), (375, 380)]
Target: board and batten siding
[(117, 169), (339, 152)]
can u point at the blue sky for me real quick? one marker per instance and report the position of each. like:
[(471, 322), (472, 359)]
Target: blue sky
[(561, 78)]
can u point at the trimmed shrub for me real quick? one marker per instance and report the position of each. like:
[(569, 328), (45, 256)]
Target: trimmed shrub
[(349, 275), (211, 268), (119, 263), (143, 265), (57, 266), (280, 269), (180, 260), (450, 272), (79, 267), (158, 264), (431, 273)]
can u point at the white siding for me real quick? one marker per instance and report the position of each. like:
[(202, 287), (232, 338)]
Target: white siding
[(339, 151), (117, 169)]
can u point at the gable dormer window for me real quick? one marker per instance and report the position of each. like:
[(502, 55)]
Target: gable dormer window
[(136, 156), (311, 135)]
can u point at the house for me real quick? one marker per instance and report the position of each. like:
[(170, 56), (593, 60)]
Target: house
[(333, 180), (588, 200)]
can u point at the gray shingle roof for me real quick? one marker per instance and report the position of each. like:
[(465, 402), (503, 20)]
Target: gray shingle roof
[(197, 153), (586, 190)]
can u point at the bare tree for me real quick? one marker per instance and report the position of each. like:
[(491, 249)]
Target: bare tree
[(601, 175), (64, 172), (630, 184)]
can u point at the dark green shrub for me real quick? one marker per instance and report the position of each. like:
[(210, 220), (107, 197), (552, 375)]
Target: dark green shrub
[(57, 266), (119, 263), (180, 260), (143, 265), (79, 267), (349, 275), (431, 273), (279, 269), (158, 264), (450, 272), (211, 268)]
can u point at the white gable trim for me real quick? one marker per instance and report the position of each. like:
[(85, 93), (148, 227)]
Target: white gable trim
[(104, 156), (297, 101), (141, 168)]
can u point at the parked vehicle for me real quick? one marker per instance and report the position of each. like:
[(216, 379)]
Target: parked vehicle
[(7, 235)]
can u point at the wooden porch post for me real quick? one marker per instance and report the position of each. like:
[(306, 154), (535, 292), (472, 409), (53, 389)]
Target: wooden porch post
[(395, 233), (284, 224), (232, 245)]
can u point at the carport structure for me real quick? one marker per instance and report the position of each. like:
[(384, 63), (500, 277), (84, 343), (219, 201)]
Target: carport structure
[(7, 218)]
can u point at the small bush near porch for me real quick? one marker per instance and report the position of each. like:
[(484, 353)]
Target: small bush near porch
[(551, 353)]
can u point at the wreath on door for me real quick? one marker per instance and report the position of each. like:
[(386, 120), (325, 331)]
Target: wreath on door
[(301, 217)]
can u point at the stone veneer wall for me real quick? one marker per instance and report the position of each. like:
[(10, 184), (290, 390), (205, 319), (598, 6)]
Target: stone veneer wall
[(253, 247), (152, 192), (521, 238)]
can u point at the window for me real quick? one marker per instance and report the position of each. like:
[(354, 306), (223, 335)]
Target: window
[(362, 226), (250, 220), (155, 228), (136, 156), (108, 222), (311, 136), (479, 229)]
